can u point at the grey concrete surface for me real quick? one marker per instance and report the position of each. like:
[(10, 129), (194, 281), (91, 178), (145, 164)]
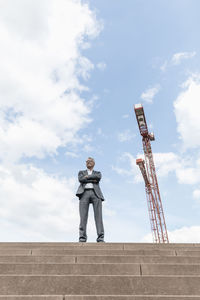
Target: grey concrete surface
[(92, 271), (70, 269), (132, 297), (101, 251), (32, 297), (170, 269), (137, 259), (62, 246), (99, 269), (130, 246), (188, 252), (16, 252), (38, 259), (115, 246), (99, 285)]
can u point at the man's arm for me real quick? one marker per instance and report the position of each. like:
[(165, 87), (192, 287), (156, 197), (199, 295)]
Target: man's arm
[(86, 178), (95, 176)]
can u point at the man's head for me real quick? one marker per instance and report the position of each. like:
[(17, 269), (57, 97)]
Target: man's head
[(90, 162)]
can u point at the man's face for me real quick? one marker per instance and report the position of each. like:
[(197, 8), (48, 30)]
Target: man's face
[(90, 164)]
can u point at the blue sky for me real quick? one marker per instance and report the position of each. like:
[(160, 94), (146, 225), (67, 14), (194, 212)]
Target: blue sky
[(72, 73)]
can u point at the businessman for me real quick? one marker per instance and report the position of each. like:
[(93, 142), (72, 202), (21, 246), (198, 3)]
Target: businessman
[(90, 192)]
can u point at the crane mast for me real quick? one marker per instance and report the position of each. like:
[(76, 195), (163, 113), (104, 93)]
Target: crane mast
[(147, 168)]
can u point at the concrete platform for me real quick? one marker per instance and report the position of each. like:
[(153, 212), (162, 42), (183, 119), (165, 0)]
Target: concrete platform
[(93, 271)]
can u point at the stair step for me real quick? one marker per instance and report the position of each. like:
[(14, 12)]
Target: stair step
[(115, 246), (84, 251), (70, 269), (137, 259), (37, 259), (170, 269), (99, 285), (45, 251), (101, 251), (100, 269), (100, 259)]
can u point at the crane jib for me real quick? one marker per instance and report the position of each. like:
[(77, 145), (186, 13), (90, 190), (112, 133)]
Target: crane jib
[(148, 171)]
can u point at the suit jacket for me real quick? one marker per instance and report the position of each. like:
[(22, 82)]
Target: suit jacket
[(94, 178)]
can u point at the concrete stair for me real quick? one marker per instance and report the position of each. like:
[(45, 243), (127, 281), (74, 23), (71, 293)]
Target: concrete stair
[(99, 271)]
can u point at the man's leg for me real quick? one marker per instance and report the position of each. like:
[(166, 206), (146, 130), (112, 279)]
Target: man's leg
[(83, 211), (97, 205)]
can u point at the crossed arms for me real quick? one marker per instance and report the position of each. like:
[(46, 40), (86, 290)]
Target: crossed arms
[(93, 178)]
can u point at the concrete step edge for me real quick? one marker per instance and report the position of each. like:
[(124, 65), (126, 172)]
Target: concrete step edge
[(111, 275), (100, 296), (94, 297)]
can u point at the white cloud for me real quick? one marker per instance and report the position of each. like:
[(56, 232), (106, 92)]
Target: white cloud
[(37, 206), (85, 66), (99, 131), (185, 235), (121, 171), (187, 112), (196, 194), (41, 110), (164, 162), (72, 154), (186, 170), (150, 93), (164, 66), (178, 57), (40, 107), (125, 136), (126, 116), (101, 66), (131, 169), (109, 212), (88, 148), (188, 175), (181, 235)]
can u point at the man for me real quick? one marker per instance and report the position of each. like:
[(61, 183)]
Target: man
[(90, 192)]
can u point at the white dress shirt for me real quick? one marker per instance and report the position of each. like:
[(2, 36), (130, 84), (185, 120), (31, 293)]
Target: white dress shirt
[(89, 185)]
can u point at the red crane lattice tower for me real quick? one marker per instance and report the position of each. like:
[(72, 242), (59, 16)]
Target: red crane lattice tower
[(147, 168)]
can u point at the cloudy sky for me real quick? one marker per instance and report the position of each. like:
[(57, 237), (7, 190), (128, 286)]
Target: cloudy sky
[(71, 73)]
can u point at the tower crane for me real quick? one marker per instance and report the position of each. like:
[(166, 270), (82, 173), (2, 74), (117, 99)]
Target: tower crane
[(147, 168)]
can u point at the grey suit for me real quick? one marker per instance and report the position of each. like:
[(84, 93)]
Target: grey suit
[(87, 196)]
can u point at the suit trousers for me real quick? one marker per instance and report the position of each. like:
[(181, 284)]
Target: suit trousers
[(88, 197)]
